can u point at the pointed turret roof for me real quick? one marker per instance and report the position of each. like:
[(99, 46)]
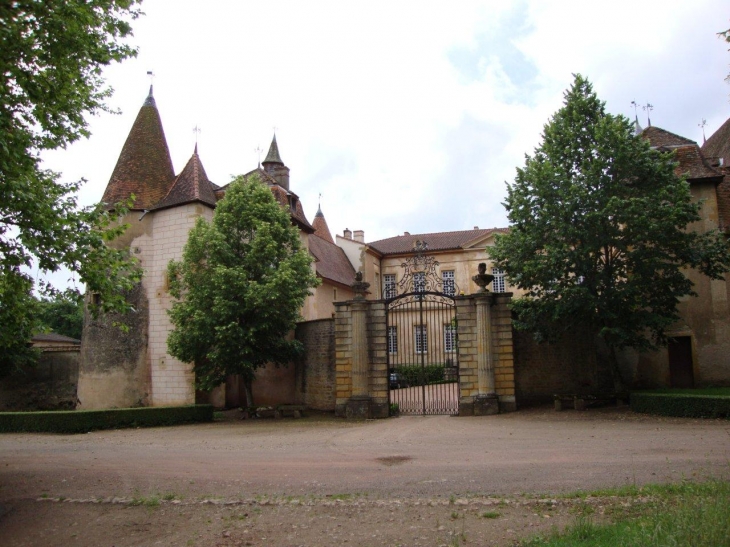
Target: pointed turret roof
[(320, 227), (144, 167), (191, 185), (718, 145), (273, 155)]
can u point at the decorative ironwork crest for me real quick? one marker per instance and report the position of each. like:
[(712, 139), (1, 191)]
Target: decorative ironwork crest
[(420, 274)]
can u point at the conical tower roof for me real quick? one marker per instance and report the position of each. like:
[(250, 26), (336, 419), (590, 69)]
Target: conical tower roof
[(273, 155), (191, 185), (144, 167), (320, 227)]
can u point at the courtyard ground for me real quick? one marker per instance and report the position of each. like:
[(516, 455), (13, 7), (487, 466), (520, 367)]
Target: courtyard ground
[(434, 480)]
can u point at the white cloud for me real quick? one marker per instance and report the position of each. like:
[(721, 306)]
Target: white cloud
[(404, 116)]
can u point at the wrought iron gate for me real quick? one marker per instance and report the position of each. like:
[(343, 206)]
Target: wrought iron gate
[(423, 357)]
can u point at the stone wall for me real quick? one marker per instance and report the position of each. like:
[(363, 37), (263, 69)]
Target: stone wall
[(569, 366), (50, 385), (315, 372), (113, 366)]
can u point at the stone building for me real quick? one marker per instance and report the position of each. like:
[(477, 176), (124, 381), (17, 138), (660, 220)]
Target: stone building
[(133, 368), (698, 353)]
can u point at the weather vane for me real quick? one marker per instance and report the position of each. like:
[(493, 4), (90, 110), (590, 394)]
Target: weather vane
[(636, 108), (702, 124), (648, 107), (196, 131), (258, 152), (152, 76)]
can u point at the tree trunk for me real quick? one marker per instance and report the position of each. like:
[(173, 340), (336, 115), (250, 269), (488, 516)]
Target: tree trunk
[(247, 383), (618, 383)]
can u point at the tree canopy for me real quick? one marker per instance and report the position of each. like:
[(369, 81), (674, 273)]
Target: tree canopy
[(599, 231), (51, 57), (240, 287)]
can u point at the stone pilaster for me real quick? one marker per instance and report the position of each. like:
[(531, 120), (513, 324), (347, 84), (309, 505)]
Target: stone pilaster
[(358, 406), (485, 401)]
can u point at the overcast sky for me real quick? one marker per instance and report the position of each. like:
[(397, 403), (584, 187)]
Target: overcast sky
[(405, 116)]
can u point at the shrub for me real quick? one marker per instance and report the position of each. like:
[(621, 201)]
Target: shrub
[(81, 421), (432, 374), (683, 404)]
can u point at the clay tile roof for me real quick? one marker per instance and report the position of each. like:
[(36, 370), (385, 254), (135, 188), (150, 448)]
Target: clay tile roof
[(273, 155), (661, 137), (693, 164), (439, 241), (191, 185), (144, 167), (691, 161), (718, 145), (320, 227), (331, 262), (289, 200)]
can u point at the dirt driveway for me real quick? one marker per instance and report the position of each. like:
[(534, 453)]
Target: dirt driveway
[(321, 481)]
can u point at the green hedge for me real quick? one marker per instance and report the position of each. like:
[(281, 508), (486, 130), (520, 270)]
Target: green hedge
[(433, 374), (683, 404), (81, 421)]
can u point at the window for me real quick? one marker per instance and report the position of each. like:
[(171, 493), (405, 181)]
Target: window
[(449, 338), (419, 281), (498, 283), (421, 337), (392, 340), (447, 277), (389, 286)]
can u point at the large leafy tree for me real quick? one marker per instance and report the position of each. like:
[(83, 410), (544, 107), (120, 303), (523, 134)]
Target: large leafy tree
[(599, 231), (240, 288), (62, 313), (51, 56)]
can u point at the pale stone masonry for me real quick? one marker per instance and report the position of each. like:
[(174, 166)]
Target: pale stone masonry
[(352, 402)]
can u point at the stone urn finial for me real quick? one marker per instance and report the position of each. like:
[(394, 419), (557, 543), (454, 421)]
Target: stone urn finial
[(482, 278), (359, 286)]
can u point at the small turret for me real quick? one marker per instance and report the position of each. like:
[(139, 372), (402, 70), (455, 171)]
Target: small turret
[(274, 167)]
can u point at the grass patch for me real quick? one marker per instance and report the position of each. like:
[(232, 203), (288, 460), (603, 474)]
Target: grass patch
[(491, 515), (678, 514)]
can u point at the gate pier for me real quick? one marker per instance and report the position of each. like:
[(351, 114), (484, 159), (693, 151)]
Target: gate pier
[(473, 345)]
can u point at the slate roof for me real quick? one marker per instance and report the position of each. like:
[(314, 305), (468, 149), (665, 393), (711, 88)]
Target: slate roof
[(191, 185), (439, 241), (144, 167), (273, 156), (320, 226), (718, 145), (331, 262)]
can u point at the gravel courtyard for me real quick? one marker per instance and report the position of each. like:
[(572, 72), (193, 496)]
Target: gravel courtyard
[(434, 480)]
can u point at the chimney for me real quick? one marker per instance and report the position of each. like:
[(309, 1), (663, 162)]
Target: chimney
[(360, 236), (476, 227), (406, 233), (347, 233)]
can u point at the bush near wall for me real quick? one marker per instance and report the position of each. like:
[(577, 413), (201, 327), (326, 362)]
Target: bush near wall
[(433, 374), (81, 421), (683, 403)]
